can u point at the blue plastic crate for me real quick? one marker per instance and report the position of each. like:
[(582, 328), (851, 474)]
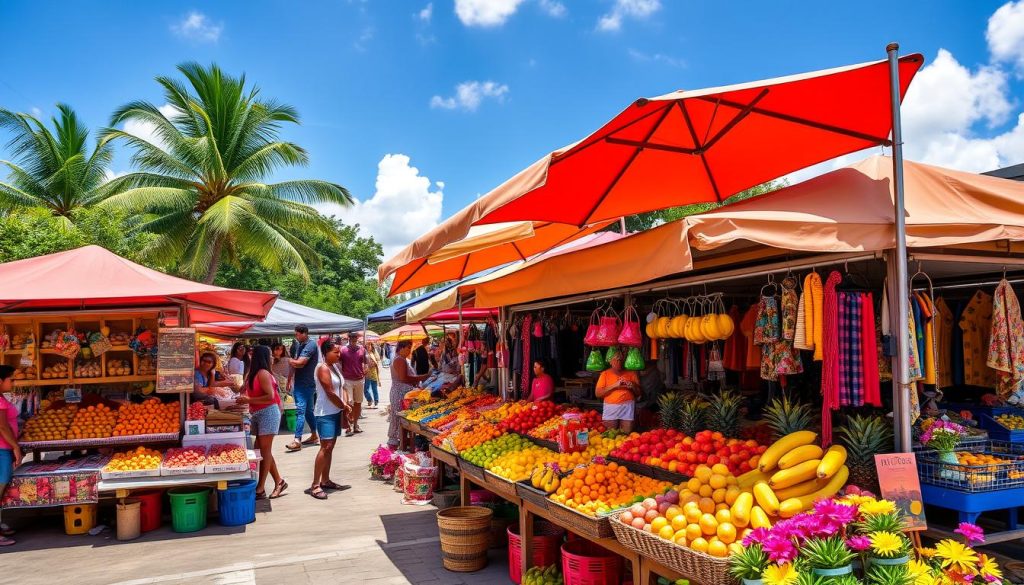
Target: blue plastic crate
[(237, 504), (997, 432), (975, 478)]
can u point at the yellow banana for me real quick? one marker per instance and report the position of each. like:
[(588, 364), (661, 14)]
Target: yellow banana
[(799, 455), (766, 498), (770, 458), (834, 458), (748, 479), (740, 511), (835, 483), (794, 475), (801, 489), (758, 519), (791, 507)]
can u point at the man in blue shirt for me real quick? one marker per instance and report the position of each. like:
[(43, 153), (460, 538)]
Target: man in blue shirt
[(304, 359)]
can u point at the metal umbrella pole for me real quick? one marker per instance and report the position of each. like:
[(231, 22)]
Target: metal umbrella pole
[(901, 377)]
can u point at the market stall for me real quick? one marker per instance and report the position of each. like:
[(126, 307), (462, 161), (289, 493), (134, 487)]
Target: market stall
[(106, 366), (281, 322)]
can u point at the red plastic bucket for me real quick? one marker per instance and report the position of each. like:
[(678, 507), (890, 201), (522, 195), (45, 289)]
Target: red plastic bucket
[(547, 538), (585, 563), (151, 514)]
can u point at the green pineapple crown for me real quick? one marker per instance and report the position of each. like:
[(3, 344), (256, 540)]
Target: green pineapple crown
[(785, 416), (723, 413), (864, 436)]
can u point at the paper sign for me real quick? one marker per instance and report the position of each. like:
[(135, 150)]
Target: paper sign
[(176, 360), (72, 395), (898, 481)]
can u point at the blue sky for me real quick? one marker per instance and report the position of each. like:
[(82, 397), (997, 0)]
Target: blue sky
[(377, 78)]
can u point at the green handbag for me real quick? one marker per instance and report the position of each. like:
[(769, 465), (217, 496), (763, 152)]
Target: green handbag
[(634, 359), (595, 362), (612, 352)]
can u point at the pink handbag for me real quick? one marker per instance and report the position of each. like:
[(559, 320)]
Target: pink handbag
[(591, 337), (608, 331), (630, 335)]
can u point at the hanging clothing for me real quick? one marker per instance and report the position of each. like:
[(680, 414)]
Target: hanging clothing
[(869, 351), (976, 323), (527, 348), (1006, 342), (787, 360), (800, 340), (830, 376), (927, 311), (813, 308), (767, 328), (851, 366), (747, 326), (914, 370), (943, 320), (956, 358), (789, 308)]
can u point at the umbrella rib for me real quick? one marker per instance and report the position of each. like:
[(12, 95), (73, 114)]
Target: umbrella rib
[(732, 123), (804, 121), (598, 139), (625, 167), (702, 149), (518, 251), (465, 264), (395, 287)]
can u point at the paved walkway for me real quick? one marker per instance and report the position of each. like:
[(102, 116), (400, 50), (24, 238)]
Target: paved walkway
[(362, 535)]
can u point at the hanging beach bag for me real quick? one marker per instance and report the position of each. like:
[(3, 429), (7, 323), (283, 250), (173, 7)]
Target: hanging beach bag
[(634, 359), (608, 331), (591, 337), (630, 334), (596, 362), (67, 344)]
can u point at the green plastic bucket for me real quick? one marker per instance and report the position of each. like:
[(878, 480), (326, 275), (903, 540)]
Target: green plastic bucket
[(188, 508), (289, 420)]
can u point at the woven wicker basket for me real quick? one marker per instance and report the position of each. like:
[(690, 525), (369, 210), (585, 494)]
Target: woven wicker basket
[(465, 537), (697, 566), (588, 526), (443, 456), (474, 472), (500, 487), (533, 495)]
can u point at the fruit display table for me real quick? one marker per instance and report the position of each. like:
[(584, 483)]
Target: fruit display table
[(39, 447), (123, 487), (970, 506)]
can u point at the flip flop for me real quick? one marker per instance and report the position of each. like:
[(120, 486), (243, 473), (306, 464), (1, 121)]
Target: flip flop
[(4, 541), (330, 485), (261, 495), (293, 447), (311, 442), (278, 489), (317, 492)]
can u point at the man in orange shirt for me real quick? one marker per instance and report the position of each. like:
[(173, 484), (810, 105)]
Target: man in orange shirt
[(619, 389)]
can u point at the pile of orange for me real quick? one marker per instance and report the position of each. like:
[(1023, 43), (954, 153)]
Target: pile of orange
[(990, 462), (601, 488), (50, 424), (149, 417), (506, 410), (93, 422), (481, 432), (139, 459)]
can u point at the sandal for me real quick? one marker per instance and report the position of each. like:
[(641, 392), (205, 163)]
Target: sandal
[(278, 489), (261, 495), (311, 442), (5, 541), (293, 447), (330, 485), (317, 492), (358, 430)]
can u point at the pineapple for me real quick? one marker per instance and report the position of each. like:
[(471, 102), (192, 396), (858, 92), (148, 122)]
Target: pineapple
[(863, 436), (670, 406), (723, 413), (692, 416), (785, 416)]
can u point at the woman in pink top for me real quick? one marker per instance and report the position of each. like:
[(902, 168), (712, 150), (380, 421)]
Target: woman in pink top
[(264, 400), (10, 452), (543, 387)]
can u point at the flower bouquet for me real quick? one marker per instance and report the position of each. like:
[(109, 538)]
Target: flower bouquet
[(943, 436), (383, 463), (952, 562)]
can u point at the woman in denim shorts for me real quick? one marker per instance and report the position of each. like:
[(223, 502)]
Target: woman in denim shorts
[(330, 404), (264, 399)]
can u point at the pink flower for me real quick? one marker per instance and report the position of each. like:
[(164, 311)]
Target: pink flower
[(858, 543), (834, 511), (779, 550), (756, 536), (972, 533)]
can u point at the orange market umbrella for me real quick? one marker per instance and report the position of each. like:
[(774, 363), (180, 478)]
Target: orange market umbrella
[(705, 145), (410, 332)]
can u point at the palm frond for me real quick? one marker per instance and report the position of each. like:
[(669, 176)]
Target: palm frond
[(143, 199), (151, 157), (307, 191)]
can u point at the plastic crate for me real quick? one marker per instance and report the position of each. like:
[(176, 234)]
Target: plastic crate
[(975, 478), (585, 563), (236, 505), (998, 432)]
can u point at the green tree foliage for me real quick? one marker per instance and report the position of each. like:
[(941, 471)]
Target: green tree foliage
[(645, 221), (36, 231), (51, 169), (200, 185)]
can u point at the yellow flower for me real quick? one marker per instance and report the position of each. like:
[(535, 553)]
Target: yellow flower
[(885, 543), (877, 507), (956, 556), (926, 552), (783, 574), (988, 567)]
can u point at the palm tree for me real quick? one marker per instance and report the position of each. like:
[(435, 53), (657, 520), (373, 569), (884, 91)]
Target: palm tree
[(200, 181), (51, 169)]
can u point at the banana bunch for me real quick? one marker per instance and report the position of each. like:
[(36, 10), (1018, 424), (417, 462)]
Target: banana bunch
[(545, 478), (792, 474), (543, 576)]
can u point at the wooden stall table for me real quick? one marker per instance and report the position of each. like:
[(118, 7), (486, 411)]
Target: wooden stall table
[(406, 431), (651, 569)]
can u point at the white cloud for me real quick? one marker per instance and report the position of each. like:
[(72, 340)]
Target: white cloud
[(485, 13), (195, 26), (553, 8), (426, 13), (404, 205), (469, 95), (360, 44), (1005, 34), (147, 131), (662, 58), (636, 9), (36, 113)]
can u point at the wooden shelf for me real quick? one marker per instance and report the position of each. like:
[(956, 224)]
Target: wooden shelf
[(74, 381), (221, 479)]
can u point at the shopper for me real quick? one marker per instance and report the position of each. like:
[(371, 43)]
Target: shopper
[(331, 406), (304, 360), (354, 364), (403, 379), (281, 366), (10, 452), (421, 357), (543, 387), (263, 396), (370, 391), (238, 363), (488, 376), (619, 389), (208, 381)]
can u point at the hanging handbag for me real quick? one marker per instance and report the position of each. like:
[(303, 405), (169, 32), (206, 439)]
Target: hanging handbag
[(591, 337), (595, 362), (611, 353), (630, 334), (608, 331), (67, 344), (634, 359)]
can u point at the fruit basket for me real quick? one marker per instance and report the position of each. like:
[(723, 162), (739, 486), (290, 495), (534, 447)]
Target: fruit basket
[(634, 466), (139, 462), (535, 496), (588, 526), (701, 567), (1005, 426), (226, 458), (500, 486), (444, 456), (184, 461), (983, 467), (474, 472)]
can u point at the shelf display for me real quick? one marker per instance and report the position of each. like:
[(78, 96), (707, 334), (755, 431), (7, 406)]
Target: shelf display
[(49, 425), (139, 462), (93, 422)]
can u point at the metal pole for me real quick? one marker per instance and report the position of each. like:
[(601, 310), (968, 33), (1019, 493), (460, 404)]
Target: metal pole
[(901, 377)]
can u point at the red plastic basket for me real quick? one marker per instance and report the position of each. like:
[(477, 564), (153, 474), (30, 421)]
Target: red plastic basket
[(585, 563), (546, 541), (151, 511)]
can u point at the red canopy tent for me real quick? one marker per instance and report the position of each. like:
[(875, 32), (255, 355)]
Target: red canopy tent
[(93, 278)]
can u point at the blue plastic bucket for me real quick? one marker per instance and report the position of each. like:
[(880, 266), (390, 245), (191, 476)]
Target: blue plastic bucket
[(237, 504)]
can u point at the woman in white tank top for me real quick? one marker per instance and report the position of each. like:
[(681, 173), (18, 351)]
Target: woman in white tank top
[(330, 402)]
